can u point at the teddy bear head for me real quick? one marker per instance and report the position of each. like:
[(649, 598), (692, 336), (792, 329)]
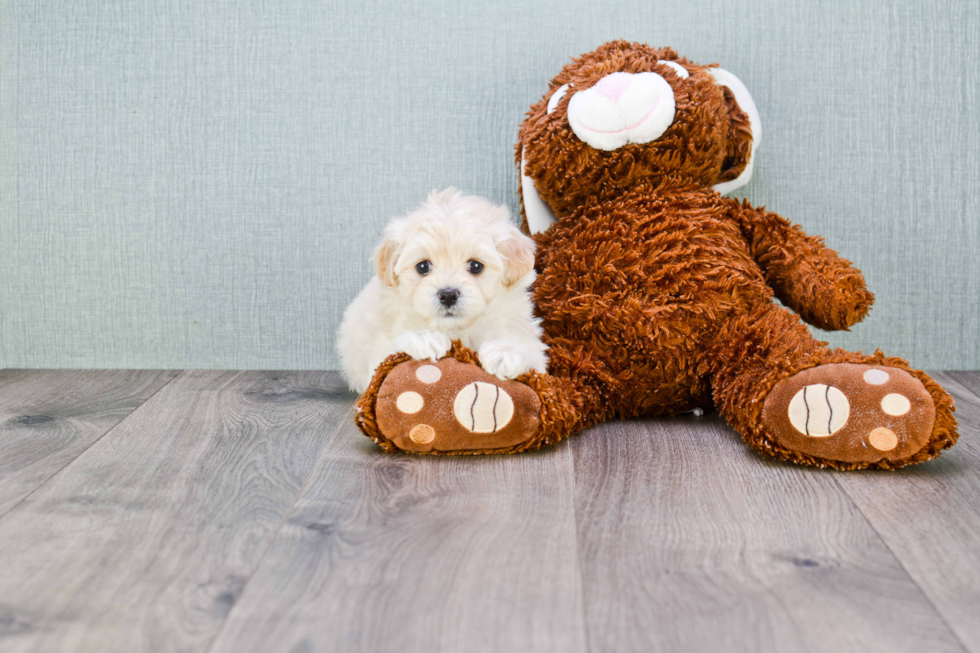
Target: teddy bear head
[(628, 114)]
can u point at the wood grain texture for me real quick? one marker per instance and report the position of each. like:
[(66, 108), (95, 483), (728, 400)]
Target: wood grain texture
[(691, 542), (929, 515), (242, 511), (400, 553), (48, 417), (146, 540)]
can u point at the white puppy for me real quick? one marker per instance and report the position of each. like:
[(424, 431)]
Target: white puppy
[(455, 269)]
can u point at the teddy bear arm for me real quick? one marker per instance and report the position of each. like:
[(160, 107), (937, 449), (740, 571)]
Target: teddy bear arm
[(807, 276)]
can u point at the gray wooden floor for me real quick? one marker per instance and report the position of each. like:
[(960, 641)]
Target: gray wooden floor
[(242, 511)]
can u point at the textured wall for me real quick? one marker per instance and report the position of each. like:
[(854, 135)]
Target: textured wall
[(199, 184)]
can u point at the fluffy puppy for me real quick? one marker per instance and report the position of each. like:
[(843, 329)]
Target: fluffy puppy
[(455, 269)]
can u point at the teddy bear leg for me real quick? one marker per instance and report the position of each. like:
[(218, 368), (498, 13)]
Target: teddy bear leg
[(452, 406), (792, 398)]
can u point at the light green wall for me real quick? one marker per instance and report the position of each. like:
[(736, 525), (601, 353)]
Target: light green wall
[(199, 184)]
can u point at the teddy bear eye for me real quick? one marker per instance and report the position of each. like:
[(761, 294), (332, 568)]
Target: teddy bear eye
[(423, 268), (681, 70), (475, 267)]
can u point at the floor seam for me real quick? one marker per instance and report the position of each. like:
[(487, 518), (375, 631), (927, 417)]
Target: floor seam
[(939, 612), (922, 590), (278, 529), (91, 444), (578, 550)]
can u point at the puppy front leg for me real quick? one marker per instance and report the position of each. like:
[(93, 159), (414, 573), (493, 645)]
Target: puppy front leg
[(508, 359), (423, 345)]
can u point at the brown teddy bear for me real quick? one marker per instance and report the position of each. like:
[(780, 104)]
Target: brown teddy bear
[(656, 292)]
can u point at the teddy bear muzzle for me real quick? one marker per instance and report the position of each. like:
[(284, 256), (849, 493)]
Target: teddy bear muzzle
[(622, 108)]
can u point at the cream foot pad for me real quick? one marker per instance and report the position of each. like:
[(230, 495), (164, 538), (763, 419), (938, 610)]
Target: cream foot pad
[(819, 410), (850, 413), (483, 408)]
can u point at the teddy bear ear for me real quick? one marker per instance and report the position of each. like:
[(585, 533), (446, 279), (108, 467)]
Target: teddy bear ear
[(744, 100), (539, 215)]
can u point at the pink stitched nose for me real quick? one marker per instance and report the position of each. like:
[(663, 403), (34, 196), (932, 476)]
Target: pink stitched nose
[(613, 86)]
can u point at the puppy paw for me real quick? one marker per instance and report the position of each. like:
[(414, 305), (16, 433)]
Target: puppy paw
[(423, 345), (505, 360)]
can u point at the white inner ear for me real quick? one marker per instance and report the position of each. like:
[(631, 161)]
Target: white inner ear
[(557, 96), (681, 70), (539, 215), (746, 104)]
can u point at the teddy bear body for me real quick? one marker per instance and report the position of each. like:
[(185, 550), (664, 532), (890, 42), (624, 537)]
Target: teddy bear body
[(656, 291), (644, 284)]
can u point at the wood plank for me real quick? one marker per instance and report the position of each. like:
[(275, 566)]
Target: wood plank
[(145, 542), (48, 417), (689, 541), (929, 515), (401, 553)]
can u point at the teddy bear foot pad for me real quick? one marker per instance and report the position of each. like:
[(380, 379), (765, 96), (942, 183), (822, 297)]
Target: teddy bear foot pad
[(851, 413), (454, 407)]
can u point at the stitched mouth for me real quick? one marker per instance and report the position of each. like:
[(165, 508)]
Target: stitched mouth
[(624, 129)]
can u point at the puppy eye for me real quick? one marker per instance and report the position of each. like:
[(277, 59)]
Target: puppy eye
[(475, 267), (423, 268)]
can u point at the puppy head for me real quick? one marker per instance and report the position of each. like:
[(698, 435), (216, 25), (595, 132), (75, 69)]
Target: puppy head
[(452, 257)]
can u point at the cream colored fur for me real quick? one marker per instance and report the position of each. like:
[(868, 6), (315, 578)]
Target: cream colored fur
[(399, 310)]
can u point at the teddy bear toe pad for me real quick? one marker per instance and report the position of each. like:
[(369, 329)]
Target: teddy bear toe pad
[(851, 413), (450, 406)]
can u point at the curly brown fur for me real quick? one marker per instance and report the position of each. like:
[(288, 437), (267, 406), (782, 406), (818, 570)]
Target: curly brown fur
[(707, 142), (631, 292), (809, 278), (655, 292)]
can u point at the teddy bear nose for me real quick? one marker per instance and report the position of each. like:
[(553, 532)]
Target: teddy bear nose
[(448, 296), (613, 86)]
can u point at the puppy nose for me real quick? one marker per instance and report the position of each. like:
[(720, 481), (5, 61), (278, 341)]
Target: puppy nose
[(448, 296), (614, 85)]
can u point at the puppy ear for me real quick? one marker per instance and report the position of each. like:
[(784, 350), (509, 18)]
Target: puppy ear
[(517, 250), (385, 257)]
